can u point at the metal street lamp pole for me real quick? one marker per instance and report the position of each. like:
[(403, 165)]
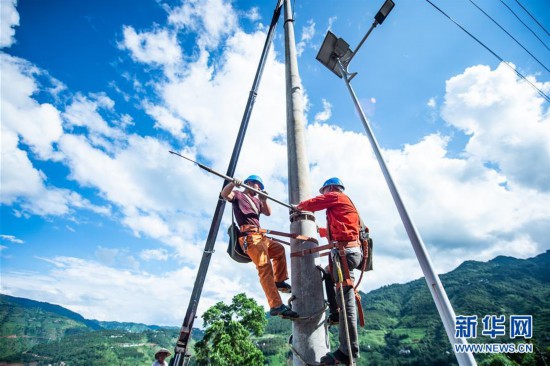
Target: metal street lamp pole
[(439, 295), (308, 335)]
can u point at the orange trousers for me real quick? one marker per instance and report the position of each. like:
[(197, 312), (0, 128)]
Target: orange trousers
[(263, 251)]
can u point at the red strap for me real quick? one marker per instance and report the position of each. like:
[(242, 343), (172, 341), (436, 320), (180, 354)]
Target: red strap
[(344, 263), (365, 248), (304, 252), (288, 235), (359, 309), (246, 230)]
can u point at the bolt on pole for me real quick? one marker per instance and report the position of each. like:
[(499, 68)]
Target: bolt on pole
[(308, 335), (439, 295)]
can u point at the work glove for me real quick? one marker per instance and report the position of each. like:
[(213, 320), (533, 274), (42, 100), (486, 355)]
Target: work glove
[(263, 198), (237, 182)]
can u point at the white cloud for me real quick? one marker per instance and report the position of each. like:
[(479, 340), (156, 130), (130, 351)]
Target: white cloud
[(506, 122), (308, 31), (431, 103), (19, 178), (9, 19), (158, 47), (210, 19), (39, 125), (84, 112), (166, 120), (214, 129), (331, 21), (154, 254), (252, 14), (325, 114), (12, 239), (149, 296)]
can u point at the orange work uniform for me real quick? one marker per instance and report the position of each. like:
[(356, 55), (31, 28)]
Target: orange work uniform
[(268, 255), (342, 217)]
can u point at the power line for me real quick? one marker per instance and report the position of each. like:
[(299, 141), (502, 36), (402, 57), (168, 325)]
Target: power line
[(494, 54), (526, 26), (494, 21), (527, 11)]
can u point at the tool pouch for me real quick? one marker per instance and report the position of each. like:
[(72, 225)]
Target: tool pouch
[(366, 248), (234, 248)]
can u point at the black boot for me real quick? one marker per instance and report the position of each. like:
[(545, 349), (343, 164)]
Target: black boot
[(284, 312)]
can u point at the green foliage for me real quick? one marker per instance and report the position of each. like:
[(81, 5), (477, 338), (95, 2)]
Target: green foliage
[(497, 360), (227, 337)]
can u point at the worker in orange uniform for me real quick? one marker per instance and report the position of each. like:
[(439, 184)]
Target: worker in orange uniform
[(262, 250), (343, 226)]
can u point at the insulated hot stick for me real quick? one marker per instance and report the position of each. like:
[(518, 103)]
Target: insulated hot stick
[(263, 194)]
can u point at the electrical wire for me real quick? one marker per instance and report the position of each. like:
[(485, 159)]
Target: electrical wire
[(542, 94), (494, 21), (536, 21), (526, 26)]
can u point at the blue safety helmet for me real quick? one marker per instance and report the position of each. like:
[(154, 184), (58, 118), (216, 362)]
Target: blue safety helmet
[(255, 178), (332, 182)]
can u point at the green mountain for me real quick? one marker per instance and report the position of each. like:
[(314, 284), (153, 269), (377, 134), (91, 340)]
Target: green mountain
[(130, 327), (25, 323), (402, 324), (32, 331), (404, 328)]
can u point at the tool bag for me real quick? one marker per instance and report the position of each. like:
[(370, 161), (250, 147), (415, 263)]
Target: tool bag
[(366, 244), (366, 248), (234, 249)]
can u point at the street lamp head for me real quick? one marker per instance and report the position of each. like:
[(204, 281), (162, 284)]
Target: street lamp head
[(333, 48), (384, 11)]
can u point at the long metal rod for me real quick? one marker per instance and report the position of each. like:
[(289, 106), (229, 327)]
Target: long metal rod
[(229, 179), (180, 351), (347, 61), (439, 295)]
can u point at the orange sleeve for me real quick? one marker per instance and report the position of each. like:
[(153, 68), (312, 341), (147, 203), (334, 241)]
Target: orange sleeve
[(318, 203)]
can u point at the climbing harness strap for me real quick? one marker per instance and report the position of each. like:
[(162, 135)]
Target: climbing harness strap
[(252, 204), (250, 229)]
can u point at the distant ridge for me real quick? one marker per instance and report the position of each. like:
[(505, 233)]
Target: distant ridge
[(47, 307)]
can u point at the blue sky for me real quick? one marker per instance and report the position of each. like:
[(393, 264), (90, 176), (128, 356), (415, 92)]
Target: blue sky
[(98, 217)]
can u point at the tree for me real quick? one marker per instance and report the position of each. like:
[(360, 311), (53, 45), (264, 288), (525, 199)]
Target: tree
[(227, 337)]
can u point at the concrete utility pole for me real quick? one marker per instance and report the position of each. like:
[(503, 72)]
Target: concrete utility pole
[(309, 339)]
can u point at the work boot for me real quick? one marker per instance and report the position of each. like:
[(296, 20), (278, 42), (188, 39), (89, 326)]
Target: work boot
[(284, 312), (333, 319), (335, 358), (283, 287)]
